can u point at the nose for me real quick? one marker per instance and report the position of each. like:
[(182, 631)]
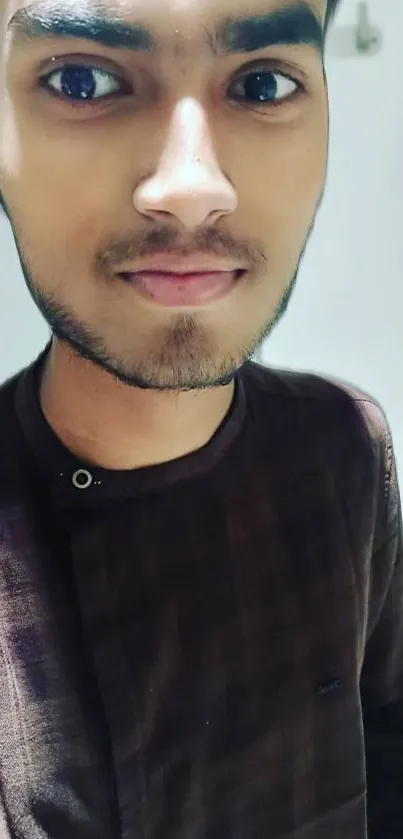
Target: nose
[(189, 184)]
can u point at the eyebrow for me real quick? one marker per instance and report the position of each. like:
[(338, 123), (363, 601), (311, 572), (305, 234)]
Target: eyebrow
[(291, 25), (295, 24)]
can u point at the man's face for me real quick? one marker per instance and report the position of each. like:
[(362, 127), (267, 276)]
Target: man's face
[(141, 129)]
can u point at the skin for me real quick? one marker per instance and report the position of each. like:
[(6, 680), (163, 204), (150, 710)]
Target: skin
[(176, 163)]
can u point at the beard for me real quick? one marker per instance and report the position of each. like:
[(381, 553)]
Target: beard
[(185, 359), (183, 362)]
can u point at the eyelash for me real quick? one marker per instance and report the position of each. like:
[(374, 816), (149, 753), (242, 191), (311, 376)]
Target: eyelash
[(125, 88)]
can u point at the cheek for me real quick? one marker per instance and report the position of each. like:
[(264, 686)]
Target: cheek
[(284, 181), (46, 175), (58, 219)]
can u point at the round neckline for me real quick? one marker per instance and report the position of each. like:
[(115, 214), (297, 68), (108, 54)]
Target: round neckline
[(61, 466)]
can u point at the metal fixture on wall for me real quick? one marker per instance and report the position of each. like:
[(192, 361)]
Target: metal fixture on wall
[(361, 39)]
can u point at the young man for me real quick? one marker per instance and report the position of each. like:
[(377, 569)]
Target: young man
[(201, 584)]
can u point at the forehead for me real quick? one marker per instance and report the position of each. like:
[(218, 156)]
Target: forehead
[(179, 20)]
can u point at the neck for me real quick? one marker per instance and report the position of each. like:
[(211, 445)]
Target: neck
[(115, 426)]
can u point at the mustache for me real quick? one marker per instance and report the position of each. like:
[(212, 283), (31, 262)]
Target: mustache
[(208, 242)]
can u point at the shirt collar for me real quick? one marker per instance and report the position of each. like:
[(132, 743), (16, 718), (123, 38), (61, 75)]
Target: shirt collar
[(73, 482)]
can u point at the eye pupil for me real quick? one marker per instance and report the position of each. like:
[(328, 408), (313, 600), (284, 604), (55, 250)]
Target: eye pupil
[(78, 82), (261, 86)]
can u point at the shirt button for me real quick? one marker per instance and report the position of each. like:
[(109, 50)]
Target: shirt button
[(82, 479)]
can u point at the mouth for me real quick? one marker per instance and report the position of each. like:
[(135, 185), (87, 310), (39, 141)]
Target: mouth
[(190, 288)]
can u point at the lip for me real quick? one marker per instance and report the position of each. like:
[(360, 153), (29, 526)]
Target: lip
[(182, 266), (182, 290)]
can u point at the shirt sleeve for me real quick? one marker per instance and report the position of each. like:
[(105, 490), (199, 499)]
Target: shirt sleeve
[(382, 672)]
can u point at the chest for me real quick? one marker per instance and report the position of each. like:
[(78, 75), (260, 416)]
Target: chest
[(208, 642)]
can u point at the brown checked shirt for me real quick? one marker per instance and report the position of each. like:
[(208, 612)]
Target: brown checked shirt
[(210, 648)]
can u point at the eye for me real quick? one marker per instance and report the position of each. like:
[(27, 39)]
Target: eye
[(81, 83), (265, 87)]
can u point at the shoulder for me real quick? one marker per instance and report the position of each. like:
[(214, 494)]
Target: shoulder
[(8, 392), (331, 427), (339, 409), (12, 444)]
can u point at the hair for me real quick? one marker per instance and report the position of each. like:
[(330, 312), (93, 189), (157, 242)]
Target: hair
[(331, 10)]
